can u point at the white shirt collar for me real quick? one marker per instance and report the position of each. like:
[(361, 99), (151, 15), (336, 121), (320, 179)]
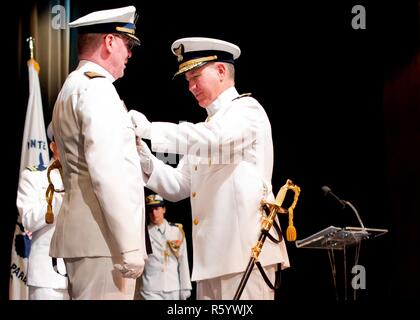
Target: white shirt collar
[(224, 98), (86, 65), (160, 227)]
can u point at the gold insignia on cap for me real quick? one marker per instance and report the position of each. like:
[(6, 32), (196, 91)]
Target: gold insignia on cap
[(154, 199), (179, 52), (194, 63)]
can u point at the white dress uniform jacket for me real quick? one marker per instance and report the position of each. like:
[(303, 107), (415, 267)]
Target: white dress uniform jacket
[(103, 207), (226, 170), (163, 271), (32, 205)]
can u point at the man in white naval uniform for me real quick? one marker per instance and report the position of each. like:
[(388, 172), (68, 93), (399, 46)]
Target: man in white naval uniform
[(100, 229), (226, 170), (166, 273), (43, 281)]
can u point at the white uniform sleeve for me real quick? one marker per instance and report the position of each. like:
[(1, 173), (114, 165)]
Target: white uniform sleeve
[(236, 130), (183, 268), (31, 203), (173, 184)]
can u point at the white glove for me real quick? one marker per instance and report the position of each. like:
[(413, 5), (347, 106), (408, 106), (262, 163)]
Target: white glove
[(133, 264), (145, 157), (141, 124), (184, 294)]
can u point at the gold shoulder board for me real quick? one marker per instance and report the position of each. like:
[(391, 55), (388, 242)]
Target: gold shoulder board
[(32, 168), (242, 96), (92, 75)]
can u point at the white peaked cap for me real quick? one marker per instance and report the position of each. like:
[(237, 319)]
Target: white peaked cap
[(119, 20), (196, 51), (206, 44), (124, 14)]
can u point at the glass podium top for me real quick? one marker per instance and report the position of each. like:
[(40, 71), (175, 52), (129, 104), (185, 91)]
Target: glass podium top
[(338, 238)]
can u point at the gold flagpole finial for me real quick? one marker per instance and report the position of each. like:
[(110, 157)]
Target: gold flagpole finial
[(31, 40)]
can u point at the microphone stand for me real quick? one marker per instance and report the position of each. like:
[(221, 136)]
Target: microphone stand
[(355, 211), (357, 250)]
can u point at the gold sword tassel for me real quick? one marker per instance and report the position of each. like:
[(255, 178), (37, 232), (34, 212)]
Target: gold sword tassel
[(291, 233), (49, 215)]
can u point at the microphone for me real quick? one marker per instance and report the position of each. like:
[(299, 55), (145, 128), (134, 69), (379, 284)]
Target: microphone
[(344, 203), (327, 191)]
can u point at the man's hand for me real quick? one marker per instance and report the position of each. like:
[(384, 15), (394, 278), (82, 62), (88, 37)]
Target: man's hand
[(145, 157), (133, 264), (141, 124)]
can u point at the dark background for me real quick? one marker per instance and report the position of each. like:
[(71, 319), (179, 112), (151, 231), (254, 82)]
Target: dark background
[(343, 104)]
